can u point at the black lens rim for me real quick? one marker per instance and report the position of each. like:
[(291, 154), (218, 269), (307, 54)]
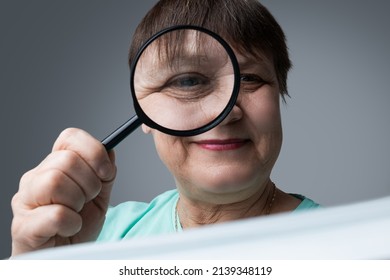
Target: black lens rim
[(232, 101)]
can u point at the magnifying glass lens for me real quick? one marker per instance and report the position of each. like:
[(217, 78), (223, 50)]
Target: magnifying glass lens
[(183, 80)]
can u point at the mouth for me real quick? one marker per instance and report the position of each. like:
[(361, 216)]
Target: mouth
[(222, 144)]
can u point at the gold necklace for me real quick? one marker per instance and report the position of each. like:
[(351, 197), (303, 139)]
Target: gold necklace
[(177, 217), (272, 200), (267, 213)]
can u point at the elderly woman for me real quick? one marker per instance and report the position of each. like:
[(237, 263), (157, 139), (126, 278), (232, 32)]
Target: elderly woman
[(221, 175)]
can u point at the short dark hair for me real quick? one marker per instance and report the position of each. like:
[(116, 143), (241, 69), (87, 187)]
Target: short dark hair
[(245, 24)]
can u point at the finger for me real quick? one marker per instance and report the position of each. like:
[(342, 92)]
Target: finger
[(90, 149), (32, 229), (75, 168), (51, 187), (105, 192)]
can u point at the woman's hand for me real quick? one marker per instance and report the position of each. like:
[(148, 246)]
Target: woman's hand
[(65, 198)]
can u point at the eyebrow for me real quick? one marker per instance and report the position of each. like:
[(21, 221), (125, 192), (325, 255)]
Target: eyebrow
[(263, 65), (246, 60), (162, 69), (172, 64)]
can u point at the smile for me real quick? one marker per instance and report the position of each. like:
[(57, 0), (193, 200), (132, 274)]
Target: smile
[(222, 145)]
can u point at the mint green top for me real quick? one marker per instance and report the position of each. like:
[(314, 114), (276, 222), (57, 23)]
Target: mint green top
[(137, 219)]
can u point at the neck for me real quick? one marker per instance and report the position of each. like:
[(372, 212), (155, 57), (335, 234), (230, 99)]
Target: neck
[(194, 213)]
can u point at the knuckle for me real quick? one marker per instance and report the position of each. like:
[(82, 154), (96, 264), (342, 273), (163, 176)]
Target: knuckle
[(58, 213), (56, 187), (66, 221), (64, 140), (20, 200), (58, 216), (68, 158), (26, 179), (69, 132), (52, 185), (15, 202), (53, 178)]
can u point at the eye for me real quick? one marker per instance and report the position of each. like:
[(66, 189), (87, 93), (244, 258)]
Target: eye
[(251, 79), (188, 87), (187, 81), (251, 82)]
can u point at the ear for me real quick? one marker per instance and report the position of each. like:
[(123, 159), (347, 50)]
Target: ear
[(146, 129)]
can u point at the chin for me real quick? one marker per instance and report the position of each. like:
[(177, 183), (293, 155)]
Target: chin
[(230, 181)]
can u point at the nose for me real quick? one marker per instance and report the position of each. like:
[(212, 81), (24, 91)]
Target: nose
[(235, 114)]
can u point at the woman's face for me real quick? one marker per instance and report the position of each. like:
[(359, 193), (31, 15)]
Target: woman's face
[(233, 160)]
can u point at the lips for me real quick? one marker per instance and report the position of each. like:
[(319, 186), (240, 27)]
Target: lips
[(222, 145)]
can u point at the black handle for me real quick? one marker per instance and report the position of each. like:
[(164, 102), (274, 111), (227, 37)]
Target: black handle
[(121, 133)]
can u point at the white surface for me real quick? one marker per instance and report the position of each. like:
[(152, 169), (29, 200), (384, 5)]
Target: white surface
[(358, 231)]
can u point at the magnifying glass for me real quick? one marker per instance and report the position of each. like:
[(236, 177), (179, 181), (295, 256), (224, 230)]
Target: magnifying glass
[(184, 81)]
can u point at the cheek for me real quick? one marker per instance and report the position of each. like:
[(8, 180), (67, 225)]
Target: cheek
[(263, 112), (171, 150)]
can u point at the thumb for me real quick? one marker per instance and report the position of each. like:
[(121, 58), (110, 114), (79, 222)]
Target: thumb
[(107, 185)]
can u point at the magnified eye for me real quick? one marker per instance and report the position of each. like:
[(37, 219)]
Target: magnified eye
[(187, 81), (188, 87)]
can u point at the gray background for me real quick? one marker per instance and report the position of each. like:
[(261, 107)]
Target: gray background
[(63, 63)]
